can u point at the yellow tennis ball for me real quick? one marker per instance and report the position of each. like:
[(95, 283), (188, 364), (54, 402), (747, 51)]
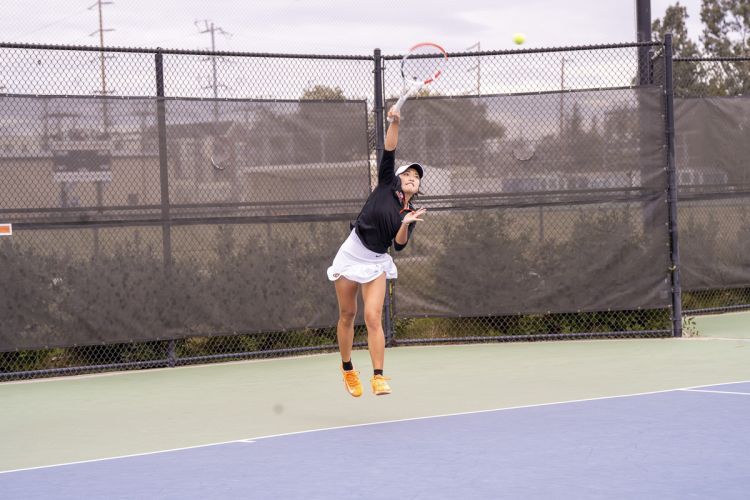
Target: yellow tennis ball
[(519, 38)]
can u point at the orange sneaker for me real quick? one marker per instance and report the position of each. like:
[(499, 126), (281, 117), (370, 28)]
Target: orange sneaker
[(352, 383), (379, 385)]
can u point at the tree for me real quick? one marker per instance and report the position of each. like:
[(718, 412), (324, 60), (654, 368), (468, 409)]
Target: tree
[(727, 26), (689, 77), (726, 33), (323, 93), (674, 22)]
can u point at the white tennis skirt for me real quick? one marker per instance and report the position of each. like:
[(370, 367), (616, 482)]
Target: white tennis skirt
[(356, 262)]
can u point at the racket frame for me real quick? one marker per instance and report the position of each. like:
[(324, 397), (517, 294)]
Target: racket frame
[(410, 88)]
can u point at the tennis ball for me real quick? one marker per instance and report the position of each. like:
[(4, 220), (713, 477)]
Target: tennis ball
[(519, 38)]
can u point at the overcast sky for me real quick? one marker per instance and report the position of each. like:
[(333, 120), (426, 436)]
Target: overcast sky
[(330, 26)]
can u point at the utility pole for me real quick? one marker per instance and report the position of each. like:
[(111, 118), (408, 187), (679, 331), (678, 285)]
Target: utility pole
[(105, 109), (478, 47), (102, 68), (209, 27)]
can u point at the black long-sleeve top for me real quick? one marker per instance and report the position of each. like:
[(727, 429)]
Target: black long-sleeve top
[(381, 216)]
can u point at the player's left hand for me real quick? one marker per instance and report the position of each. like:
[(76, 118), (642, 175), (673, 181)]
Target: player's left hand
[(414, 216)]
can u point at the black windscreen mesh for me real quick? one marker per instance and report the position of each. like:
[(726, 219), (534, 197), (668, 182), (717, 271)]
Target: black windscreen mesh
[(713, 172), (224, 279), (544, 202), (79, 158), (516, 145), (87, 158), (537, 203), (255, 153), (98, 256)]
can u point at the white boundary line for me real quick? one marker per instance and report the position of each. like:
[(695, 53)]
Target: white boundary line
[(117, 457), (716, 392), (712, 385), (738, 339), (412, 419), (692, 388)]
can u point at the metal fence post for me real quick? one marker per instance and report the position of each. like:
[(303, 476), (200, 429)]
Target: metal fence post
[(379, 146), (166, 228), (674, 249), (172, 353)]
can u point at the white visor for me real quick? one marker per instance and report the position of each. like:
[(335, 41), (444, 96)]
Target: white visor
[(415, 166)]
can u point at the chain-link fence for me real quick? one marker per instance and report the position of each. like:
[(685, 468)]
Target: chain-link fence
[(174, 207), (712, 119)]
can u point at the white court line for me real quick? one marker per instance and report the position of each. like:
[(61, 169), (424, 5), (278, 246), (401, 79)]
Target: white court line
[(712, 385), (309, 431), (718, 338), (691, 388), (119, 457), (716, 392)]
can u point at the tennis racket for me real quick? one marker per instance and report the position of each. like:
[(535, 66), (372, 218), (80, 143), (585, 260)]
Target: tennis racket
[(421, 66)]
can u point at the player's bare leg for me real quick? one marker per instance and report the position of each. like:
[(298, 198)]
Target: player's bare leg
[(346, 293), (373, 294)]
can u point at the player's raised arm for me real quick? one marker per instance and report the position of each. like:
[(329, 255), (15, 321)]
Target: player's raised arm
[(391, 137), (386, 169)]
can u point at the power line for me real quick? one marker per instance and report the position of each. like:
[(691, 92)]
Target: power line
[(49, 25)]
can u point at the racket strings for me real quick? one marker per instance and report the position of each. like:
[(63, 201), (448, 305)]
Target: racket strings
[(423, 64)]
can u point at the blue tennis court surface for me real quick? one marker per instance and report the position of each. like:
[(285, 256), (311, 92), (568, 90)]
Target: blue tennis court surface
[(688, 443)]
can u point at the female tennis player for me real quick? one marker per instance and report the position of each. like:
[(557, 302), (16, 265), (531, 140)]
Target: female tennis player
[(388, 217)]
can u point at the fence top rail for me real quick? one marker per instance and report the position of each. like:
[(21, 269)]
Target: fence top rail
[(712, 59), (543, 50), (183, 99), (142, 50), (159, 50)]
